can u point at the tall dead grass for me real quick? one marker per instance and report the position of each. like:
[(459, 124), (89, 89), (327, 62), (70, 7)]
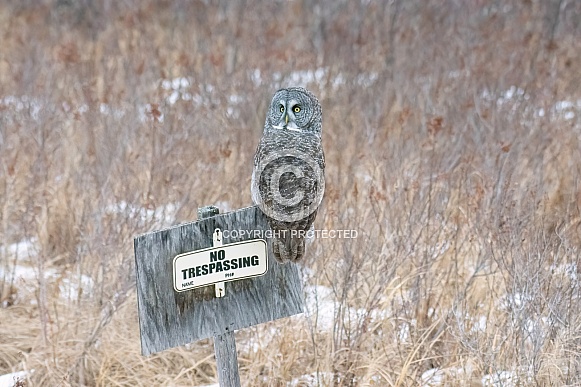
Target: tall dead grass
[(451, 132)]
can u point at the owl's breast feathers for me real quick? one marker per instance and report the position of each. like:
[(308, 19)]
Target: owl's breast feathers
[(306, 143), (309, 184)]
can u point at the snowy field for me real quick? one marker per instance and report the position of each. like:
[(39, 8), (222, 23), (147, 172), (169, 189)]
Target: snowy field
[(452, 135)]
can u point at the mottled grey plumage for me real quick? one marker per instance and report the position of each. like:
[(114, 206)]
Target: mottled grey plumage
[(290, 156)]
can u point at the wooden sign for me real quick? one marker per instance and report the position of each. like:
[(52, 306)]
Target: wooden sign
[(170, 316)]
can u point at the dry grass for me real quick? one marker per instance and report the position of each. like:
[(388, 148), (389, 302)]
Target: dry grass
[(451, 132)]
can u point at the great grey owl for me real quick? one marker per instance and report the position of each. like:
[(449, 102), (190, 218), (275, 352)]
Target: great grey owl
[(288, 178)]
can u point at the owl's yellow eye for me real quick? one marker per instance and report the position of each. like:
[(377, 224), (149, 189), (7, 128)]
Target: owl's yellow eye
[(281, 108), (297, 109)]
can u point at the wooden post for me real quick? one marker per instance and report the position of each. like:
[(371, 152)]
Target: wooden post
[(224, 344), (227, 360)]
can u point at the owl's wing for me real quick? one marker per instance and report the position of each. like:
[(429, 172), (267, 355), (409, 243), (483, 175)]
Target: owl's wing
[(254, 186)]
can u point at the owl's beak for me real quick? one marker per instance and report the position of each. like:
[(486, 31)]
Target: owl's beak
[(286, 125)]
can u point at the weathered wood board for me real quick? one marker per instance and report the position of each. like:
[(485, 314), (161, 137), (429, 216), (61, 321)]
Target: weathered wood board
[(168, 319)]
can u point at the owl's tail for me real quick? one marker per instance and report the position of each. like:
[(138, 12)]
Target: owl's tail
[(287, 248)]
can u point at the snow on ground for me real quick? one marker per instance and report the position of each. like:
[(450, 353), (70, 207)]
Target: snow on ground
[(25, 277), (24, 249), (161, 216), (9, 380), (321, 308), (566, 269), (564, 110), (14, 103), (313, 379), (261, 338), (224, 206), (432, 378), (198, 93), (437, 377), (500, 379), (180, 88), (20, 270)]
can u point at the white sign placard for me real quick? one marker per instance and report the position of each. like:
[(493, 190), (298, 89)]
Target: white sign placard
[(220, 264)]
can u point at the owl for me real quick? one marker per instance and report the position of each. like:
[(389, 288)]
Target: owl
[(288, 179)]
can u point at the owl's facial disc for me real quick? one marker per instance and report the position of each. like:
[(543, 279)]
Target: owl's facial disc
[(288, 111)]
